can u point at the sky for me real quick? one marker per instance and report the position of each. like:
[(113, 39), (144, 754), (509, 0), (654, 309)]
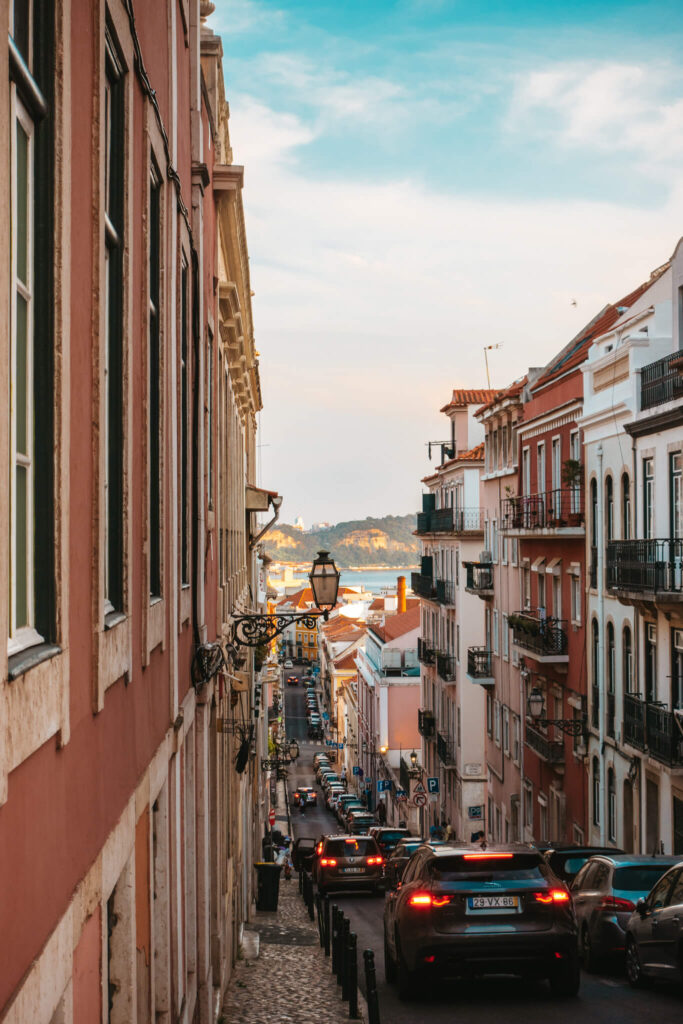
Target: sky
[(424, 178)]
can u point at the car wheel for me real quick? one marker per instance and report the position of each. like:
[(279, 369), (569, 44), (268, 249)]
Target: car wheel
[(566, 978), (634, 970), (389, 963), (589, 960), (407, 980)]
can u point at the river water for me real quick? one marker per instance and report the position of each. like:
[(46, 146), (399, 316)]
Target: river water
[(375, 580)]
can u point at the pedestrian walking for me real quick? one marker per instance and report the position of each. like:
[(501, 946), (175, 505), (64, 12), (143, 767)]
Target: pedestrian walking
[(381, 812)]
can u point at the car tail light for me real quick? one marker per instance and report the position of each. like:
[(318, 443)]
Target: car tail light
[(552, 896), (488, 856), (328, 862), (375, 860), (319, 849), (425, 899), (612, 904)]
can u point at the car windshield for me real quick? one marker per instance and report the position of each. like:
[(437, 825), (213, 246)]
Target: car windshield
[(638, 877), (571, 865), (391, 837), (360, 847), (486, 867)]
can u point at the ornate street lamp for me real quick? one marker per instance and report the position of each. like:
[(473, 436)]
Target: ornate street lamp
[(535, 703), (254, 630), (413, 759), (285, 753), (535, 706)]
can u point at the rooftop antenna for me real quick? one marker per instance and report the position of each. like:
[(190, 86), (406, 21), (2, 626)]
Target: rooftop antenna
[(488, 348)]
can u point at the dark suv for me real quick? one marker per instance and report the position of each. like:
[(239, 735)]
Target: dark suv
[(477, 910), (349, 862)]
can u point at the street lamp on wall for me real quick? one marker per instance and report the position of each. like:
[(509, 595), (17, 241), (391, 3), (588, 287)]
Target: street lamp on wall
[(254, 630), (535, 706)]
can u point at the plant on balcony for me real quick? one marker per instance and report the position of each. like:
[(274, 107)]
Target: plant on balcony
[(572, 471), (515, 622)]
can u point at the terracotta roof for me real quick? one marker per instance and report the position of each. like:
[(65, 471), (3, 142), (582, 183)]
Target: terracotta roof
[(378, 604), (475, 454), (474, 396), (573, 354), (510, 392), (398, 625), (304, 598), (346, 661)]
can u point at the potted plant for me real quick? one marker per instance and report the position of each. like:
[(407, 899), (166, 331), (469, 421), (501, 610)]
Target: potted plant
[(572, 474)]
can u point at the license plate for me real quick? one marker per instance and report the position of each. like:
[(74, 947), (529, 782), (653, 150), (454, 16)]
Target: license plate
[(493, 902), (353, 871)]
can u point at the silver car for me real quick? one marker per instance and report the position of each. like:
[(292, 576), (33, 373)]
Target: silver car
[(654, 934)]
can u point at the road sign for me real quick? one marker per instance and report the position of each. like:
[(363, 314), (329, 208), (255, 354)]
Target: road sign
[(401, 794), (475, 813), (418, 788), (271, 817), (357, 770), (383, 784), (433, 785), (326, 716), (420, 799)]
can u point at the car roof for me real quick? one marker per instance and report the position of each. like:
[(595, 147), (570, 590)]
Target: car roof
[(638, 860), (442, 848)]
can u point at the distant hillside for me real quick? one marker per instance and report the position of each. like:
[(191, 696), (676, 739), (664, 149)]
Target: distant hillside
[(385, 541)]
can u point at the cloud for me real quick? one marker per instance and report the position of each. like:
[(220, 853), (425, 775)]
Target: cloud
[(607, 108), (240, 16)]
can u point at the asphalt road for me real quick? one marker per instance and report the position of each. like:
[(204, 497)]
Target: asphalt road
[(603, 999)]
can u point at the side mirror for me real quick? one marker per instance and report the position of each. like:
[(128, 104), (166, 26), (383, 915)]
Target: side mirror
[(641, 907)]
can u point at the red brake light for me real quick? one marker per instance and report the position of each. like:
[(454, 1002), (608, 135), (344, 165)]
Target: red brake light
[(375, 860), (420, 899), (552, 896), (612, 904), (488, 856), (440, 901), (319, 849), (328, 862)]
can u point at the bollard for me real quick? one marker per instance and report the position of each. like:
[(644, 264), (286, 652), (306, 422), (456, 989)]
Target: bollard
[(326, 922), (319, 915), (343, 924), (309, 894), (335, 912), (371, 987), (346, 927), (353, 975), (301, 880)]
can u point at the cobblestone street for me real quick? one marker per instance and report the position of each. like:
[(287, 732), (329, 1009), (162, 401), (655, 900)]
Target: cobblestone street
[(290, 980)]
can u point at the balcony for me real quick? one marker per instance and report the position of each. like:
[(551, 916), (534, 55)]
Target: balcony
[(423, 586), (451, 520), (651, 727), (479, 666), (559, 512), (445, 749), (662, 381), (425, 653), (398, 662), (445, 666), (479, 578), (405, 775), (551, 751), (545, 639), (646, 570), (425, 723)]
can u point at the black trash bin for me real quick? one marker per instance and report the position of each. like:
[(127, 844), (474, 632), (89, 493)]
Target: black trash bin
[(268, 885)]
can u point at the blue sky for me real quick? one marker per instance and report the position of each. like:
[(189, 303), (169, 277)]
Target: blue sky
[(425, 177)]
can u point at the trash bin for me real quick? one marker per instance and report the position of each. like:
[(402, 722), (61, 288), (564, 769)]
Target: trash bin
[(268, 885)]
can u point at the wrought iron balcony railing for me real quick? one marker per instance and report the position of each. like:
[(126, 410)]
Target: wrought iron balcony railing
[(646, 566), (423, 586), (479, 577), (404, 774), (661, 381), (545, 637), (445, 666), (479, 663), (445, 592), (651, 726), (560, 508), (425, 723), (451, 520), (425, 653), (548, 750), (445, 749)]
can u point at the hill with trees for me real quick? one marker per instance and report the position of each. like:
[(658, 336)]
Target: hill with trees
[(386, 541)]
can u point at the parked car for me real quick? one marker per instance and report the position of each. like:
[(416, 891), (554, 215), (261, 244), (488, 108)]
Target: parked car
[(303, 851), (359, 822), (335, 790), (396, 861), (478, 910), (349, 862), (654, 933), (605, 893), (308, 792), (387, 837), (288, 663), (566, 861)]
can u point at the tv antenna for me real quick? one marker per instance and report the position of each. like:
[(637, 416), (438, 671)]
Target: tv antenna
[(488, 348)]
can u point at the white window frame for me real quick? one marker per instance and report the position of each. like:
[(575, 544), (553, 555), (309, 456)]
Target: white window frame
[(556, 466), (506, 637), (496, 643)]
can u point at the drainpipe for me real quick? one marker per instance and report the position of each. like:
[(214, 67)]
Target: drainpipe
[(636, 654), (601, 633)]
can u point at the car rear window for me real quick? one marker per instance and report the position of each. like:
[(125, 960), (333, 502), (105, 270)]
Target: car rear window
[(361, 847), (480, 866), (638, 877), (391, 837)]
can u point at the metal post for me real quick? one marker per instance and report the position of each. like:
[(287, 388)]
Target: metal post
[(371, 987), (341, 950), (345, 958), (321, 923), (301, 880), (326, 922), (335, 925), (352, 976), (309, 899)]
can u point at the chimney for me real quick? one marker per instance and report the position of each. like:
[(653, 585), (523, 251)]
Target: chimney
[(401, 589)]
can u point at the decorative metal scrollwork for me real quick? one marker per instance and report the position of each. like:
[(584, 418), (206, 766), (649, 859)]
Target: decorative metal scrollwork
[(569, 726), (207, 661), (254, 630)]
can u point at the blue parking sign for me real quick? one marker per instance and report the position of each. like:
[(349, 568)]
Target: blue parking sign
[(432, 785)]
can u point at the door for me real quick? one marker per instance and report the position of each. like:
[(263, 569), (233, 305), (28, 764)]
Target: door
[(652, 804), (650, 934), (670, 925)]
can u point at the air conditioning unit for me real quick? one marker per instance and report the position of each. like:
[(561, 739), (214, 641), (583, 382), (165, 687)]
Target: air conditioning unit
[(485, 556)]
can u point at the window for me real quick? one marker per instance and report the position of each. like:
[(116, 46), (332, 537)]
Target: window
[(625, 506), (676, 495), (514, 550), (31, 355), (529, 807), (609, 509), (526, 472), (496, 722), (495, 631), (154, 386), (489, 714), (515, 738), (627, 659), (506, 730), (184, 426), (543, 818), (494, 539), (526, 588), (209, 418), (457, 641), (594, 512), (557, 596), (648, 498), (540, 466), (506, 636), (595, 671), (611, 806), (557, 464), (677, 669), (596, 791), (650, 661), (540, 590), (575, 456), (504, 544), (611, 667), (575, 597), (114, 242)]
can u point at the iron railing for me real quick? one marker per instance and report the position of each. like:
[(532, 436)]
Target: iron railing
[(544, 636), (479, 663), (551, 751), (423, 522), (651, 566), (445, 592), (651, 726), (422, 585), (661, 381), (555, 509), (425, 653), (451, 520), (479, 577), (609, 726), (445, 666), (445, 749), (425, 723)]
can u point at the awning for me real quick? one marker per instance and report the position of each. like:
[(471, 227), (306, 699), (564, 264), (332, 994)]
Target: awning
[(538, 563), (554, 566)]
